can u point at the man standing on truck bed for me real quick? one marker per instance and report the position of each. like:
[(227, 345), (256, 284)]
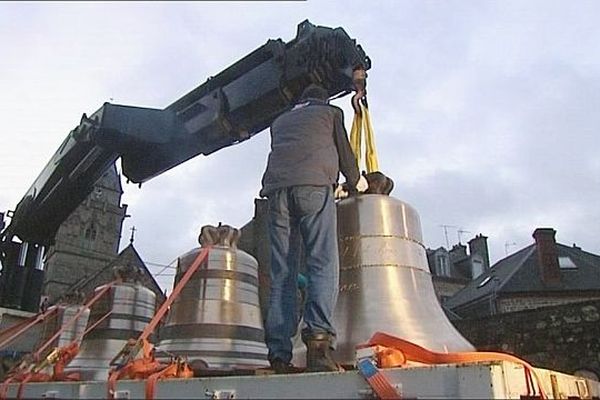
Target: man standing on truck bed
[(309, 147)]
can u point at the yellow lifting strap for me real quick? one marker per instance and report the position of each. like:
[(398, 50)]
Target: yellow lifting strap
[(361, 121)]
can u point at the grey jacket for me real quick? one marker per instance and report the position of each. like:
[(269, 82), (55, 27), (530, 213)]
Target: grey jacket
[(309, 146)]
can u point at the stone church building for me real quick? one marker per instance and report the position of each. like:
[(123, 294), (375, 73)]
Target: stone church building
[(89, 238)]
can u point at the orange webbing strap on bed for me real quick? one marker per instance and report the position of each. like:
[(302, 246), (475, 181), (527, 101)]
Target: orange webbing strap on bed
[(60, 357), (176, 369), (23, 370), (8, 332), (413, 352), (74, 318), (202, 256), (32, 377), (133, 367)]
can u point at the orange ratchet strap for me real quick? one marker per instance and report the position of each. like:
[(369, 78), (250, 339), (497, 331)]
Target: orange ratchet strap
[(10, 334), (176, 369), (146, 366), (74, 318), (396, 352)]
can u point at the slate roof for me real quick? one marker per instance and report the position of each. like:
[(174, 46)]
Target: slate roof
[(518, 273), (459, 269), (130, 256)]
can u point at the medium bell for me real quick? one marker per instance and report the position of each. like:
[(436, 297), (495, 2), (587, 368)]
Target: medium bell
[(216, 319), (64, 315), (131, 307)]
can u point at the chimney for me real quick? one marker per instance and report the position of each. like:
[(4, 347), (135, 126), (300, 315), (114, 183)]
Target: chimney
[(545, 243), (478, 245), (458, 253), (261, 208)]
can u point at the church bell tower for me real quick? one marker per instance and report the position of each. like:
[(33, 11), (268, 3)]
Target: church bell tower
[(88, 239)]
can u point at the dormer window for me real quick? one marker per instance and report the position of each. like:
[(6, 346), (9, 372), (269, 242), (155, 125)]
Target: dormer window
[(566, 263), (443, 266), (477, 268)]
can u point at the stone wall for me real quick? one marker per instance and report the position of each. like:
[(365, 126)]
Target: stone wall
[(447, 287), (564, 338), (532, 302)]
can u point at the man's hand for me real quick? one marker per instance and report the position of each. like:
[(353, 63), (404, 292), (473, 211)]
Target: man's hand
[(362, 185), (344, 190), (340, 192)]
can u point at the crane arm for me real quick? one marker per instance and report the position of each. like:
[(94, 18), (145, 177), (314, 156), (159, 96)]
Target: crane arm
[(228, 108)]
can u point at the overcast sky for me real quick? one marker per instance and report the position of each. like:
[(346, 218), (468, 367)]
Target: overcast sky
[(485, 113)]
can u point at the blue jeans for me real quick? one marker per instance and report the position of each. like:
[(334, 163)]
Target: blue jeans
[(311, 210)]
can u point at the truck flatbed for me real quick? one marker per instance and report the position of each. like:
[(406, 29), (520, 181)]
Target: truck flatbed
[(489, 380)]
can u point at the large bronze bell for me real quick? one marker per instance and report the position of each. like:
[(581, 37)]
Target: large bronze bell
[(385, 283)]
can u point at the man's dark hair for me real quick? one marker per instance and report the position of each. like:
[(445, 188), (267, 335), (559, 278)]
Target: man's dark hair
[(314, 91)]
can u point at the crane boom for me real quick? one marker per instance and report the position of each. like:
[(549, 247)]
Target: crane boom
[(228, 108)]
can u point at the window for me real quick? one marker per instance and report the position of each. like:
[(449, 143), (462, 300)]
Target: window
[(443, 265), (566, 263), (23, 254), (477, 268), (89, 236), (39, 258), (90, 232)]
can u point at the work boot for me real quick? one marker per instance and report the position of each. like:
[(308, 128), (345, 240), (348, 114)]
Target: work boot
[(318, 355), (281, 367)]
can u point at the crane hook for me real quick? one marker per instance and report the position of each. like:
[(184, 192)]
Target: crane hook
[(359, 79)]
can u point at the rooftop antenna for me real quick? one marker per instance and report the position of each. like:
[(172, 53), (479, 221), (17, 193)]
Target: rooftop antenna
[(445, 227), (459, 232), (507, 245)]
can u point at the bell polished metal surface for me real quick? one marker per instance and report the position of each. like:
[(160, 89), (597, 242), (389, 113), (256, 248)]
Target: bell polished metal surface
[(64, 315), (385, 283), (217, 318), (132, 307)]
